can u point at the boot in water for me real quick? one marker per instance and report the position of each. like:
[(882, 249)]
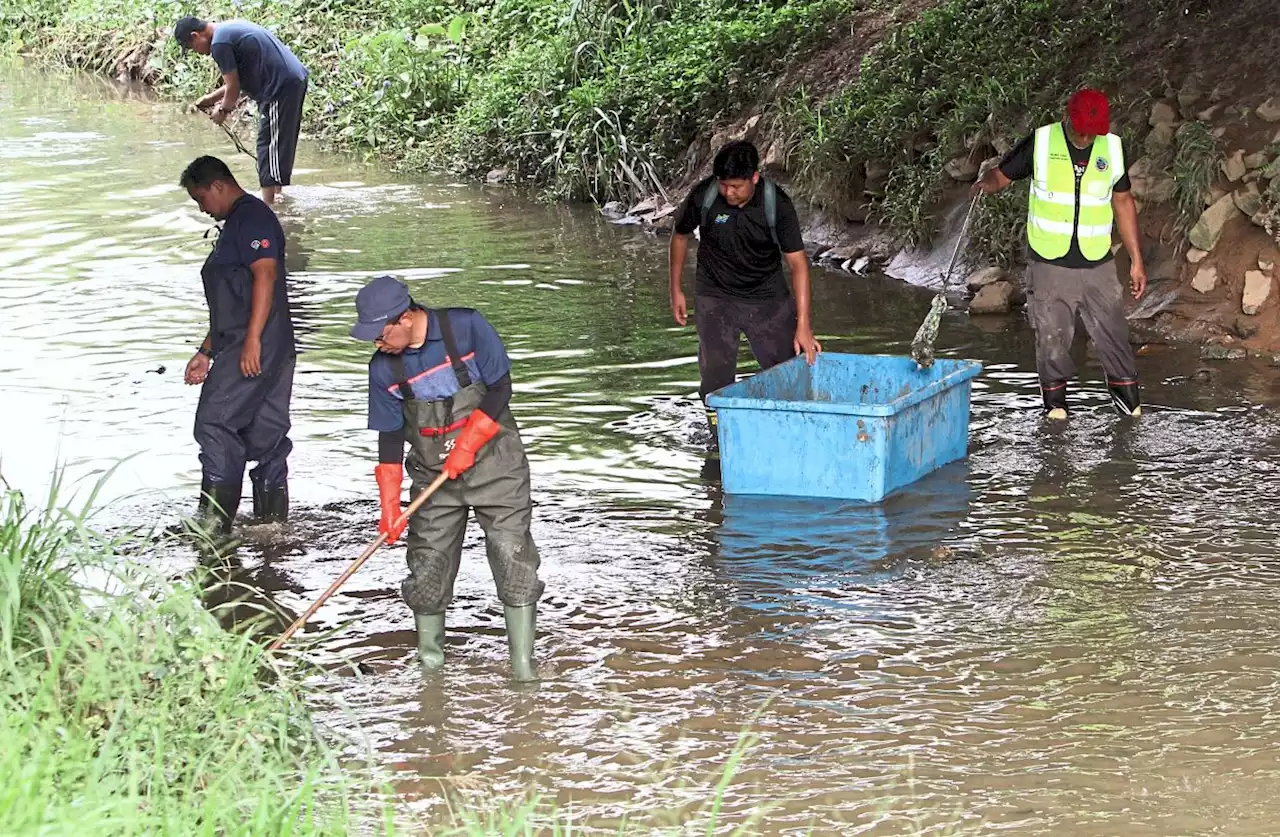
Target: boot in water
[(216, 510), (521, 628), (270, 504), (1125, 397), (430, 627)]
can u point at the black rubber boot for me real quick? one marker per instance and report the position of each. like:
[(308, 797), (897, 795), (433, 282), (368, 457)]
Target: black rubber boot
[(1125, 397), (217, 506), (271, 505), (1054, 394)]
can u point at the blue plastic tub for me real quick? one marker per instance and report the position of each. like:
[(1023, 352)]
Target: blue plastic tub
[(855, 427)]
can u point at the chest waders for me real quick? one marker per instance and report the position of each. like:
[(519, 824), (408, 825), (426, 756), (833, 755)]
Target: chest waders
[(241, 419), (496, 488)]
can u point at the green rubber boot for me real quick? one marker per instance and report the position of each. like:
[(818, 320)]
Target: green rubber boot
[(521, 628), (430, 627)]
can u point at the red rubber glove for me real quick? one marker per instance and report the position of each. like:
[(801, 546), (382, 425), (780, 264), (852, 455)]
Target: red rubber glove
[(479, 429), (390, 476)]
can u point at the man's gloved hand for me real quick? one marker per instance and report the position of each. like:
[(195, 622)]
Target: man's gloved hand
[(479, 429), (390, 476)]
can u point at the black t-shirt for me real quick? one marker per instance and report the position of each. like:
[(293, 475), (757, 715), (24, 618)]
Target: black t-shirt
[(737, 258), (1020, 163)]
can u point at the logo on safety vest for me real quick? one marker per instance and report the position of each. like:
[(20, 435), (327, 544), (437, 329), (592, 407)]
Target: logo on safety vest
[(1101, 164)]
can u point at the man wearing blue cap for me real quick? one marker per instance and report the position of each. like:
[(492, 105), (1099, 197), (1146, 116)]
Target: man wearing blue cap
[(255, 62), (441, 380)]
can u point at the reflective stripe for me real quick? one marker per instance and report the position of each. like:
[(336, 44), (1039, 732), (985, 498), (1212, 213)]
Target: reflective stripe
[(1066, 198), (1066, 228), (1041, 171), (1043, 193), (1056, 227)]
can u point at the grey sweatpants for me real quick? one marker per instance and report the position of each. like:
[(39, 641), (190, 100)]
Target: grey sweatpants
[(1056, 295)]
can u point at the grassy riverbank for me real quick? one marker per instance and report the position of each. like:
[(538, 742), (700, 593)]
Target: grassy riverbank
[(126, 709), (594, 99)]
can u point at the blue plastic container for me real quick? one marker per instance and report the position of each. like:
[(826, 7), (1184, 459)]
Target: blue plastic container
[(855, 427)]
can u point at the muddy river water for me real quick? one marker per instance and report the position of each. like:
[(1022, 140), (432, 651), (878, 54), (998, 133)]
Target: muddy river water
[(1072, 632)]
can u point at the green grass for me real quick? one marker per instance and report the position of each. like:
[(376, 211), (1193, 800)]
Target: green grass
[(984, 69), (1197, 155), (601, 99), (126, 709), (586, 99)]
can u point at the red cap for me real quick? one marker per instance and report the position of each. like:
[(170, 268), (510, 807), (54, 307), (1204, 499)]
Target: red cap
[(1089, 112)]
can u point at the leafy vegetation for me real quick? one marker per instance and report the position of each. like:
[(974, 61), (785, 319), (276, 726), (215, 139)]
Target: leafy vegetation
[(601, 99), (126, 709), (933, 90), (591, 99)]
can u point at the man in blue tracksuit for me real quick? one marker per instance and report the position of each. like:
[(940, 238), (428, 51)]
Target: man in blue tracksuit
[(246, 360), (255, 62)]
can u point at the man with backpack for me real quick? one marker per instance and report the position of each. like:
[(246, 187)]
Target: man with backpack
[(747, 227)]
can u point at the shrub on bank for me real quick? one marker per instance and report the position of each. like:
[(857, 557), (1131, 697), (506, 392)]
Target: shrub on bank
[(597, 99)]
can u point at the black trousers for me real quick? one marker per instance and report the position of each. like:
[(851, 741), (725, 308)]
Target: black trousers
[(243, 419), (279, 124), (770, 326)]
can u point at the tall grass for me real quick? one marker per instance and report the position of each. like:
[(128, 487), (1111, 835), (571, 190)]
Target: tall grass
[(126, 709), (1197, 156)]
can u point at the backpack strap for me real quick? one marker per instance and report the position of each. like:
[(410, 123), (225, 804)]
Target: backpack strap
[(709, 196), (771, 209), (402, 379), (770, 190), (451, 349)]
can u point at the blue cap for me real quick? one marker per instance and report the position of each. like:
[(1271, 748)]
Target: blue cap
[(378, 302)]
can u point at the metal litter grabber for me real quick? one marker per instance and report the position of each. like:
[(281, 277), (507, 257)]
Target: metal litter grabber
[(422, 497), (927, 334)]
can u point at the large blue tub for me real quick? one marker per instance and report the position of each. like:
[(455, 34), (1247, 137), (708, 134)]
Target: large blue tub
[(856, 427)]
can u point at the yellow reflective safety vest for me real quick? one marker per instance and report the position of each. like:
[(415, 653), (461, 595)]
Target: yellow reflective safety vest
[(1056, 210)]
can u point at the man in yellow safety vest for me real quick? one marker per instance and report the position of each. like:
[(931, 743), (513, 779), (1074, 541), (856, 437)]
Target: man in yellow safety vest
[(1079, 191)]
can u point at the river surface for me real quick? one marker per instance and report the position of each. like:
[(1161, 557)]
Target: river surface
[(1072, 632)]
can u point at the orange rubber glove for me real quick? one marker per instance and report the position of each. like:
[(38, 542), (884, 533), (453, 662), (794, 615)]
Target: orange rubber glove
[(479, 429), (390, 476)]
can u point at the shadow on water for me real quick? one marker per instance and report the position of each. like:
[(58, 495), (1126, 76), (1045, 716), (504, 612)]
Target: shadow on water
[(790, 554)]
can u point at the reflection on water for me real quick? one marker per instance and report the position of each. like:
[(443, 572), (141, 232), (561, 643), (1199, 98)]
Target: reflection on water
[(1070, 633)]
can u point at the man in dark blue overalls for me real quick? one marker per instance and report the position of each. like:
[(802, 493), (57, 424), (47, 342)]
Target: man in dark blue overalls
[(244, 405), (441, 380)]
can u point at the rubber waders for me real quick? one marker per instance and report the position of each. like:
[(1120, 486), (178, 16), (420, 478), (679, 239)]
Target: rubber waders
[(521, 628), (270, 505), (430, 627), (215, 512)]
